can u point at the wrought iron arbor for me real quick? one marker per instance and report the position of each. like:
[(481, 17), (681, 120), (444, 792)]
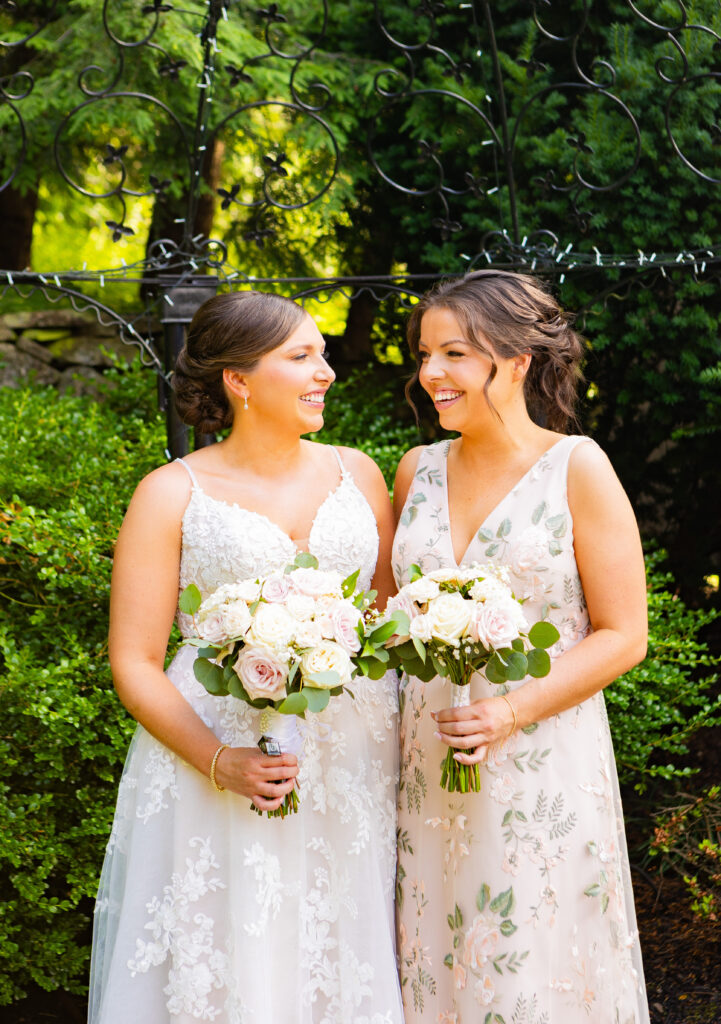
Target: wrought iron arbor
[(472, 135)]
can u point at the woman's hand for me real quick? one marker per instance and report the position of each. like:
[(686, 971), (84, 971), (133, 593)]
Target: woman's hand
[(481, 725), (264, 780)]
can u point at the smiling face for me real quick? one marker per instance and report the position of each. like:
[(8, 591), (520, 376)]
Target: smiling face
[(454, 373), (289, 383)]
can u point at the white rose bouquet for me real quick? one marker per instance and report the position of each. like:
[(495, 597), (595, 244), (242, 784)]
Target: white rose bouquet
[(287, 643), (463, 621)]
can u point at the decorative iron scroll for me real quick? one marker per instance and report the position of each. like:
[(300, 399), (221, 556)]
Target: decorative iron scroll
[(263, 92)]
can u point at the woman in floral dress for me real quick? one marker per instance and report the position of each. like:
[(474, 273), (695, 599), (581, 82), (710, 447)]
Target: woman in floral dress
[(515, 903)]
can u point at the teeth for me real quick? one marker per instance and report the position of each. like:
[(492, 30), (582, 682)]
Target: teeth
[(446, 396), (316, 398)]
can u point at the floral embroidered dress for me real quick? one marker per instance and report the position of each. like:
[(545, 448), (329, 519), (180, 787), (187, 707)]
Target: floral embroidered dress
[(515, 903), (208, 912)]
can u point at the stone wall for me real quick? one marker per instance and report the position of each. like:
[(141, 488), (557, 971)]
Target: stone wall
[(57, 347)]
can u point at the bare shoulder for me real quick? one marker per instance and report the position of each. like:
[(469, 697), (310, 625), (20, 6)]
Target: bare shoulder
[(595, 493), (164, 492), (361, 466)]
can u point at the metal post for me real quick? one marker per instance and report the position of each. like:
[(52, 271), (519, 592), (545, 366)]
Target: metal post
[(180, 303)]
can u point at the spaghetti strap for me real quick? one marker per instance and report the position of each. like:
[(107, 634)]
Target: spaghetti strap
[(335, 451), (191, 474)]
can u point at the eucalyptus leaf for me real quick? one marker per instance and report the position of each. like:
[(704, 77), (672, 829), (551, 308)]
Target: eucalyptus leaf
[(323, 680), (304, 560), (517, 666), (317, 699), (543, 634), (190, 600), (294, 704), (210, 675), (496, 671), (539, 663)]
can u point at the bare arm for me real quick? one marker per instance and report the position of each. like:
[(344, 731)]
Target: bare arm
[(370, 480), (610, 563), (144, 594)]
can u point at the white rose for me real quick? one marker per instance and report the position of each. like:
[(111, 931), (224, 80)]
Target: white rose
[(236, 619), (448, 616), (246, 590), (421, 628), (494, 627), (272, 626), (529, 550), (422, 590), (300, 606), (307, 634), (327, 656), (455, 575), (316, 582)]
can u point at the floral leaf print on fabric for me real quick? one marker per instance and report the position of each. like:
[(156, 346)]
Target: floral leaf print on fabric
[(540, 912)]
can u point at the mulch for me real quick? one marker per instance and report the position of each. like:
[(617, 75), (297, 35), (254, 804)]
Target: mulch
[(682, 961)]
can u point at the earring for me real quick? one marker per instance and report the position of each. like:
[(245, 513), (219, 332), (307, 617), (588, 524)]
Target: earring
[(245, 403)]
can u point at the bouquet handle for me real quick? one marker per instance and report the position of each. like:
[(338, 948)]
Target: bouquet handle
[(455, 777)]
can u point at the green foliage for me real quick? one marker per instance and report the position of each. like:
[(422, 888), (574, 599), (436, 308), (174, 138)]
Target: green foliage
[(67, 470), (660, 705)]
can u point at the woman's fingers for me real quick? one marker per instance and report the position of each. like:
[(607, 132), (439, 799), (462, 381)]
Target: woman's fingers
[(477, 756), (460, 727), (463, 742), (271, 790)]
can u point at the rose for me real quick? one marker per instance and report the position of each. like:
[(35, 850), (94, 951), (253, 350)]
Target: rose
[(212, 627), (262, 673), (327, 656), (529, 550), (494, 627), (400, 603), (300, 606), (481, 940), (272, 626), (448, 616), (276, 588), (445, 575), (422, 590), (236, 619), (316, 582), (344, 618), (246, 590), (421, 628), (307, 634)]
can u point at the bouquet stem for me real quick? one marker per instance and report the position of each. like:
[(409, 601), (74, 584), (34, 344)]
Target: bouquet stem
[(280, 736), (455, 777)]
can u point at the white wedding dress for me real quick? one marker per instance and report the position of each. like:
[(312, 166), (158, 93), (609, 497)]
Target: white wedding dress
[(208, 912)]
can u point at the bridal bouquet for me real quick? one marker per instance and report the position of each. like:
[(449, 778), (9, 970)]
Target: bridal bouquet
[(286, 643), (463, 621)]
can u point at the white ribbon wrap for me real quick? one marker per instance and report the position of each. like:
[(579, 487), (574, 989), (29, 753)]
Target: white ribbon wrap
[(283, 728), (460, 695)]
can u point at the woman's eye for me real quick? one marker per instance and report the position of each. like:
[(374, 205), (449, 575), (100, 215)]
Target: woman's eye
[(301, 355), (455, 353), (423, 356)]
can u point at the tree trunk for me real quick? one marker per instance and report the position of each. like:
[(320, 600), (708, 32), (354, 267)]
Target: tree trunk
[(17, 215)]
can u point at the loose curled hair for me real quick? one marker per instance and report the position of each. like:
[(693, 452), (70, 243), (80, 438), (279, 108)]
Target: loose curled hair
[(515, 314), (228, 332)]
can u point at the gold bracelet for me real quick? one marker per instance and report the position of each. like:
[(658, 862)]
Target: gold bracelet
[(217, 754), (513, 712)]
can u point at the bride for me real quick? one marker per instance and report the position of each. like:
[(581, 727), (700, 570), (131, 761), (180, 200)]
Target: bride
[(207, 911)]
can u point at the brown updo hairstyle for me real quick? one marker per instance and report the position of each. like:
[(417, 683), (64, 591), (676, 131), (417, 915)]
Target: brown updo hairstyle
[(516, 314), (227, 332)]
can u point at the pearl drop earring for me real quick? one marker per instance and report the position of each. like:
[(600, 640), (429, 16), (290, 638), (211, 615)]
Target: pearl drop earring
[(245, 403)]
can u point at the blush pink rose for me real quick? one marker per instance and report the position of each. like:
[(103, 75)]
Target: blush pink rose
[(344, 618), (276, 588), (262, 673), (494, 627)]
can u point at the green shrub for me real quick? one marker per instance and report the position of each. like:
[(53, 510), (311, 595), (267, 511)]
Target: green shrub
[(657, 707), (67, 469)]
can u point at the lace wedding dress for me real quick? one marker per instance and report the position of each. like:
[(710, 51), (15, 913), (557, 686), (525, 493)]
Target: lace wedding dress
[(208, 912), (515, 903)]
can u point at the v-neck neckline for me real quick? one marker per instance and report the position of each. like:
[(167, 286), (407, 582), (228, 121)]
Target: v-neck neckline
[(197, 489), (495, 508)]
